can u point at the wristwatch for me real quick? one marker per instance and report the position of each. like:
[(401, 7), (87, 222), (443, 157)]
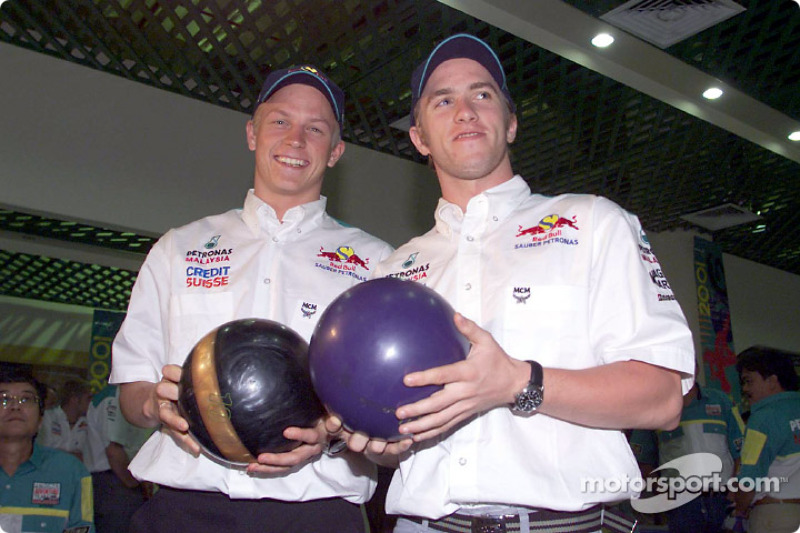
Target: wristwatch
[(532, 395)]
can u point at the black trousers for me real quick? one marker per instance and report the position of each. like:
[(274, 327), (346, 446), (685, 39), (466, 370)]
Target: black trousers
[(114, 503), (178, 511)]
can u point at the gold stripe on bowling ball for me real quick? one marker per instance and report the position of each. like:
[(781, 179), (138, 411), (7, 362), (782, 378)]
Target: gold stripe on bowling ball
[(214, 410)]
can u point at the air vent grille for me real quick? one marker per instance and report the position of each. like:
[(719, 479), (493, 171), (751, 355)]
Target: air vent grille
[(666, 22)]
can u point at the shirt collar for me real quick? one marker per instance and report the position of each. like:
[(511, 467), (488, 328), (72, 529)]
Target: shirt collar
[(493, 205), (260, 217), (36, 457), (769, 400)]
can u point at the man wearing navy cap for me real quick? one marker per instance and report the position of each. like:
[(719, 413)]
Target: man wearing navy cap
[(575, 332), (272, 259)]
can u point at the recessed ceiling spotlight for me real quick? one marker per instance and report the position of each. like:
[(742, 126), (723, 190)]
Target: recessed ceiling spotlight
[(712, 94), (602, 40), (794, 136)]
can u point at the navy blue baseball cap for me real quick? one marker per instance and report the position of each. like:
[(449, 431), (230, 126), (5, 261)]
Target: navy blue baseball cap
[(307, 75), (460, 45)]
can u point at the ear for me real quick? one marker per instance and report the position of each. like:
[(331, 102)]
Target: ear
[(511, 132), (773, 382), (418, 139), (251, 135), (336, 154)]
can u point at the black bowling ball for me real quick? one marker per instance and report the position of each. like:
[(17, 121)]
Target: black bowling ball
[(243, 383)]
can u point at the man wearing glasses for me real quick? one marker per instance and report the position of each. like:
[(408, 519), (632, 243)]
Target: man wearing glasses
[(44, 489)]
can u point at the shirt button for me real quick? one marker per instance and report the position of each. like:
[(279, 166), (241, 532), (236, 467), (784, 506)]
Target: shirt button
[(468, 286), (470, 238), (495, 218), (462, 461), (274, 239), (267, 281)]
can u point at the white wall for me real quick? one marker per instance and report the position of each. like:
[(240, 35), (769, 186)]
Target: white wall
[(763, 301), (86, 145), (765, 305)]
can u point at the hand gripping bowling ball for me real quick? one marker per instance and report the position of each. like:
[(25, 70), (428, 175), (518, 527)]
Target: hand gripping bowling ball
[(371, 336), (243, 383)]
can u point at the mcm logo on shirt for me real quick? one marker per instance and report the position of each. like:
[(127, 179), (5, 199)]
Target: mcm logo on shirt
[(521, 294), (46, 493), (308, 309)]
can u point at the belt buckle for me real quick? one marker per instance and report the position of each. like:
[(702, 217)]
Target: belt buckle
[(486, 524)]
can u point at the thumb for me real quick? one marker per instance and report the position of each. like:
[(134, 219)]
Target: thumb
[(333, 424), (472, 331)]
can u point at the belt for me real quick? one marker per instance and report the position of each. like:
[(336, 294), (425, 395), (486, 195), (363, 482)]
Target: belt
[(587, 521), (769, 499)]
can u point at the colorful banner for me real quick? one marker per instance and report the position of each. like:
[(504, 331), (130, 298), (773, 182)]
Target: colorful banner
[(716, 337), (104, 328)]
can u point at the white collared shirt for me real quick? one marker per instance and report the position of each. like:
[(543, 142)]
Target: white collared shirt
[(568, 281), (56, 431), (241, 264)]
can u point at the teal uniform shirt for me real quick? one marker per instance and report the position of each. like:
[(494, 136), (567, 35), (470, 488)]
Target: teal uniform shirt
[(51, 492), (772, 444), (710, 424)]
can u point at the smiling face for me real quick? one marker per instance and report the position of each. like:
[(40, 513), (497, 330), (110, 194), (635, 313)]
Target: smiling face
[(295, 137), (19, 422), (464, 125)]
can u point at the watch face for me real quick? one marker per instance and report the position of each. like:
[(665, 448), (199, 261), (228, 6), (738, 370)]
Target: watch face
[(529, 400)]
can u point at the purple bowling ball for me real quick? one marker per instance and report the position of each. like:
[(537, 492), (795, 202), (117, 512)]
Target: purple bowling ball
[(371, 336)]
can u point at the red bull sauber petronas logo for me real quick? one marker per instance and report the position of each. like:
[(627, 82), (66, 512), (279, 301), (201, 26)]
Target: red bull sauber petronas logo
[(549, 230), (344, 260)]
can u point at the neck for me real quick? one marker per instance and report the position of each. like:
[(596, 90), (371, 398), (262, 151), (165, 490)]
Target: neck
[(460, 191), (14, 452), (72, 415), (282, 203)]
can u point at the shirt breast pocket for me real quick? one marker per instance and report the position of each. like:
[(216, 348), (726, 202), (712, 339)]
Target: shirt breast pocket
[(194, 315), (542, 322), (305, 308)]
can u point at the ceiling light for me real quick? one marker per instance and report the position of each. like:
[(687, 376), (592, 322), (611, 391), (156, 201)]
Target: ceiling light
[(794, 136), (602, 40), (713, 93)]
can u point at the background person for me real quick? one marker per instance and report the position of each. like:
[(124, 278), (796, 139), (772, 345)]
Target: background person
[(710, 423), (771, 447), (44, 489), (64, 426), (575, 333), (283, 258), (112, 442)]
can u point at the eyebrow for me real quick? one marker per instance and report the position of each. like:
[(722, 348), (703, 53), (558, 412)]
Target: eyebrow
[(30, 389), (473, 86), (285, 114)]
